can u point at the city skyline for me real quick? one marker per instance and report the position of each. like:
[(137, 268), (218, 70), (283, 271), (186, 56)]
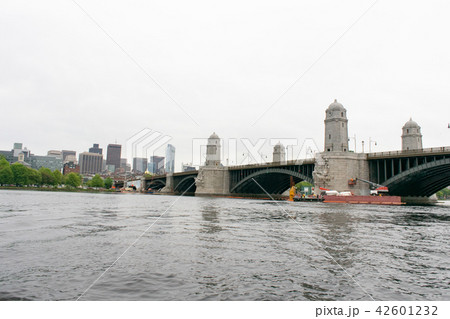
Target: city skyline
[(298, 150)]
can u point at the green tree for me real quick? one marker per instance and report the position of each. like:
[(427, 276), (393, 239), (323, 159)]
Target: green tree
[(58, 177), (108, 182), (303, 183), (21, 174), (34, 177), (3, 162), (443, 193), (6, 175), (96, 181), (47, 177), (73, 180)]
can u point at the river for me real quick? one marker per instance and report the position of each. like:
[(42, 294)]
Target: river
[(54, 246)]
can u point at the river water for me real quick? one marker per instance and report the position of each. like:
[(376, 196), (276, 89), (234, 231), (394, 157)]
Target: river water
[(54, 246)]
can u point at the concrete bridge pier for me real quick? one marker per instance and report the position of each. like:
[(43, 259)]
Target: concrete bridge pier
[(169, 188), (333, 170), (213, 181)]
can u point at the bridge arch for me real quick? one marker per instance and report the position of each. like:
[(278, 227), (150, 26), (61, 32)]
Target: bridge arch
[(422, 180), (187, 184), (155, 184), (273, 180)]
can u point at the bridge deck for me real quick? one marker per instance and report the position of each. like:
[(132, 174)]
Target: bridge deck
[(410, 153), (272, 164)]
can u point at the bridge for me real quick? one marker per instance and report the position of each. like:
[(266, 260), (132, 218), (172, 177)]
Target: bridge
[(420, 172), (406, 173), (275, 178)]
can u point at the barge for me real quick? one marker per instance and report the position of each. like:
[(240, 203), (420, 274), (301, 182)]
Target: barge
[(354, 199)]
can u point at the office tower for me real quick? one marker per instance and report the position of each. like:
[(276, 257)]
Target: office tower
[(139, 165), (95, 149), (170, 158), (156, 165), (113, 155), (90, 163)]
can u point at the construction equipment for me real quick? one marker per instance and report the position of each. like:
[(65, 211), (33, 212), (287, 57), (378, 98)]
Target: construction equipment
[(375, 188)]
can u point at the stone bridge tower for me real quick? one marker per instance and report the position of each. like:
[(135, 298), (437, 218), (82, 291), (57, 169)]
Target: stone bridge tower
[(213, 151), (336, 165), (336, 129), (411, 136), (279, 153), (213, 178)]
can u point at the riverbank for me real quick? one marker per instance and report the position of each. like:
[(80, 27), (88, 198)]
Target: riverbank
[(62, 189)]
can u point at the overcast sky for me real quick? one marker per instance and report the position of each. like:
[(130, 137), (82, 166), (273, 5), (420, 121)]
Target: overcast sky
[(67, 82)]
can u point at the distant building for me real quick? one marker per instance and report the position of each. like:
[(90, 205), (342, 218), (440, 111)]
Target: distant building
[(21, 159), (57, 154), (111, 169), (12, 156), (96, 149), (71, 167), (411, 136), (90, 163), (113, 155), (124, 165), (9, 155), (51, 162), (156, 165), (66, 154), (170, 158), (187, 168), (139, 165), (17, 149)]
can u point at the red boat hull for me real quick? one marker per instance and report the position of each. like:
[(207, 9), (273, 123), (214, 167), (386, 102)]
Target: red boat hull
[(377, 200)]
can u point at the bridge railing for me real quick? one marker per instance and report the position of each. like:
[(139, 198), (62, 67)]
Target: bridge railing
[(423, 151)]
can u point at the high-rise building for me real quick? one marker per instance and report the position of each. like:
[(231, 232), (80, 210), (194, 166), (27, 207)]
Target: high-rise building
[(139, 165), (96, 149), (156, 165), (336, 131), (170, 158), (90, 163), (411, 136), (113, 155), (124, 165)]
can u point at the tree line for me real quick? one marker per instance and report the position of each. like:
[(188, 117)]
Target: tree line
[(20, 175)]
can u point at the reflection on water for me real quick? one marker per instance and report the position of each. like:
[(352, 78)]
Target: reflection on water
[(210, 217), (54, 245)]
